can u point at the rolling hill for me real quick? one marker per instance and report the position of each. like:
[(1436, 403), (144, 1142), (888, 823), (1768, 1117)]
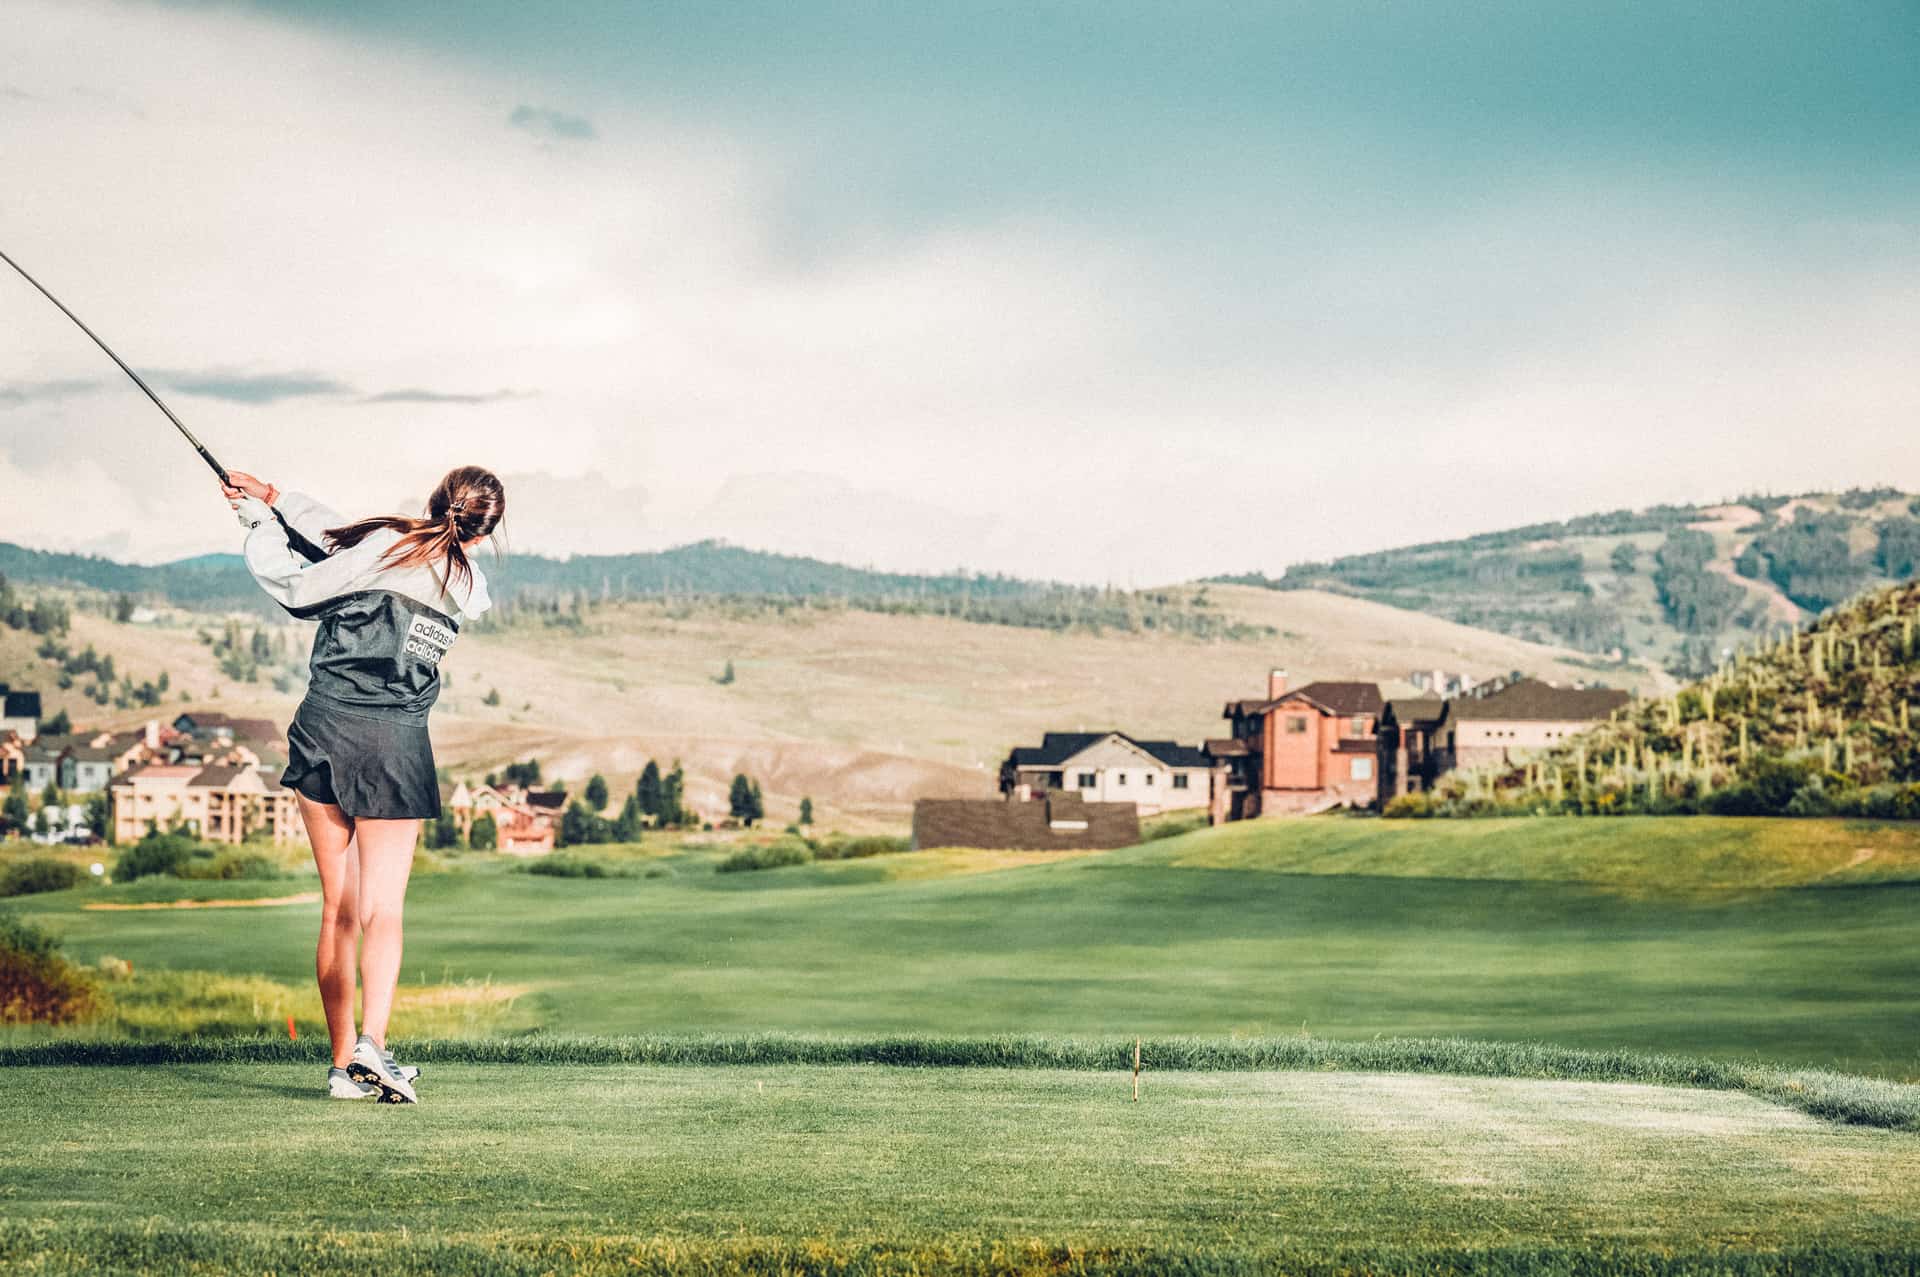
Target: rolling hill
[(1816, 722), (1678, 586), (860, 710)]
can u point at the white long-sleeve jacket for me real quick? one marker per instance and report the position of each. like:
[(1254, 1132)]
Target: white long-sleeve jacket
[(383, 629)]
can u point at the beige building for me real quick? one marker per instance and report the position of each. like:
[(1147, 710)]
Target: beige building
[(1112, 767), (1421, 740), (220, 803)]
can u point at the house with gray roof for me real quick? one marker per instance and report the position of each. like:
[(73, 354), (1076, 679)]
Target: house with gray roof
[(1112, 767), (1510, 723), (19, 712)]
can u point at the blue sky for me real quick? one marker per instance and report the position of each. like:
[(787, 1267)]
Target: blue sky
[(1099, 291)]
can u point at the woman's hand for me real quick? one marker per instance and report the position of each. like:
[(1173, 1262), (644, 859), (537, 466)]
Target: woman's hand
[(241, 484)]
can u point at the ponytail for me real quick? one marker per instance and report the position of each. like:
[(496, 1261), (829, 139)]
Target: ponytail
[(468, 503)]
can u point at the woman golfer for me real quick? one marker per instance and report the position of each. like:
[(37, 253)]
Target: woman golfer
[(389, 593)]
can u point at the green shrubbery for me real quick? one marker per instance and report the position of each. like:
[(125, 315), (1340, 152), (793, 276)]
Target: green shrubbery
[(178, 856), (42, 873), (572, 866), (795, 850), (776, 855)]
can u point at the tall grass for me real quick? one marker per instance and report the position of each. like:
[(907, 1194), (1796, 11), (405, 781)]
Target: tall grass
[(69, 1246), (1837, 1097)]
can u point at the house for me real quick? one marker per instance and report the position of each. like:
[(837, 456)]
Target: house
[(1058, 820), (205, 725), (1507, 724), (19, 712), (220, 803), (88, 769), (59, 824), (1408, 730), (524, 819), (41, 763), (1112, 767), (1441, 684), (13, 756), (1297, 751)]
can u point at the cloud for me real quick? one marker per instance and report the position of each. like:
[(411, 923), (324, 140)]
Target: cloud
[(415, 395), (551, 123), (16, 393), (254, 388)]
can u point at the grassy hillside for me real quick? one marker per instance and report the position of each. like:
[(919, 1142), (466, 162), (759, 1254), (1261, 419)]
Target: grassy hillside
[(1815, 722), (1796, 942), (1674, 585), (862, 711), (796, 1169)]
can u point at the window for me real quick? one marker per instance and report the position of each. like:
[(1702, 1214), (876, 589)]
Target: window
[(1149, 778), (1119, 778), (1086, 780), (1179, 780), (1296, 724), (1363, 769), (1359, 727)]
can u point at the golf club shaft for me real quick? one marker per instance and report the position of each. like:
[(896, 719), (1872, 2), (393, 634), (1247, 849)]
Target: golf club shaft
[(157, 402)]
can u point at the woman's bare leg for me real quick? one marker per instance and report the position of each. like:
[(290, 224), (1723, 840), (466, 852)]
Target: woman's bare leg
[(386, 858), (330, 830)]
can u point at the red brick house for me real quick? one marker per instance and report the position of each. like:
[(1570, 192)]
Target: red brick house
[(1298, 751)]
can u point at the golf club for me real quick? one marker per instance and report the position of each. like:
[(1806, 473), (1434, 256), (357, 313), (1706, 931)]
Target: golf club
[(158, 403)]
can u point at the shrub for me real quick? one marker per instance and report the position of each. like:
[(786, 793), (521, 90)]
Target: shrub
[(578, 867), (857, 848), (776, 855), (486, 833), (1414, 806), (42, 873), (37, 985), (154, 854), (250, 866)]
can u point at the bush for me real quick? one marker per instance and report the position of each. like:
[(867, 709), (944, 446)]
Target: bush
[(856, 848), (578, 867), (167, 854), (776, 855), (42, 873), (486, 833), (1413, 806), (231, 866), (37, 985)]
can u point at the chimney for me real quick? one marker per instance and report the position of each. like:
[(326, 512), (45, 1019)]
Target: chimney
[(151, 735), (1276, 684)]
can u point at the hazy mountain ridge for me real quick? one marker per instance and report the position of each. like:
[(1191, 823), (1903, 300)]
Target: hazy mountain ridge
[(1679, 585)]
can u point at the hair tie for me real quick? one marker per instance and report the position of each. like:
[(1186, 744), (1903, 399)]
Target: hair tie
[(458, 506)]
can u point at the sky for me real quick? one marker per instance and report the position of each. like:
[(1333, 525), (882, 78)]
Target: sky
[(1107, 292)]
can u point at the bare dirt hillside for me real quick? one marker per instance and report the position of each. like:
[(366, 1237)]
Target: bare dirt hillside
[(863, 712)]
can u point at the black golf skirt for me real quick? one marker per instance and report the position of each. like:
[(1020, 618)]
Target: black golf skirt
[(377, 768)]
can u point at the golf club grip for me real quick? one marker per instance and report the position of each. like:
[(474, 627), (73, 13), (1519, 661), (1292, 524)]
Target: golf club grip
[(145, 388)]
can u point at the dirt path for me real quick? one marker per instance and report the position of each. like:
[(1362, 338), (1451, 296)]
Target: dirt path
[(304, 898)]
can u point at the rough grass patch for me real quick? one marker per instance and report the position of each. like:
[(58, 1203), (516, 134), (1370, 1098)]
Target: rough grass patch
[(774, 855)]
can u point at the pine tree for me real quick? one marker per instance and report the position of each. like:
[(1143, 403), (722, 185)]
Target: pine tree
[(740, 798), (648, 790), (806, 804), (597, 792), (627, 826), (673, 793), (759, 804)]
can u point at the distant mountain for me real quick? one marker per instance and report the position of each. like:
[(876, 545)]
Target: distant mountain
[(1679, 586), (704, 568)]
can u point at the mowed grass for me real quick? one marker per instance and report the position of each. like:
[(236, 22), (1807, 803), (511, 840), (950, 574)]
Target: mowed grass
[(872, 1169), (1656, 935)]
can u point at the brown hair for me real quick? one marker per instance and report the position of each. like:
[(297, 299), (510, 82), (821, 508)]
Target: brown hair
[(468, 503)]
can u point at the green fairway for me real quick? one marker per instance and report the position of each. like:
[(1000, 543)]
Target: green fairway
[(693, 1168), (1515, 930)]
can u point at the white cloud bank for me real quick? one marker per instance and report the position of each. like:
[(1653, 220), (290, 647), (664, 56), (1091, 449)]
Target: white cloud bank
[(604, 301)]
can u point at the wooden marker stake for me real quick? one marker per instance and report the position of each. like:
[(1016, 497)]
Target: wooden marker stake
[(1136, 1070)]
